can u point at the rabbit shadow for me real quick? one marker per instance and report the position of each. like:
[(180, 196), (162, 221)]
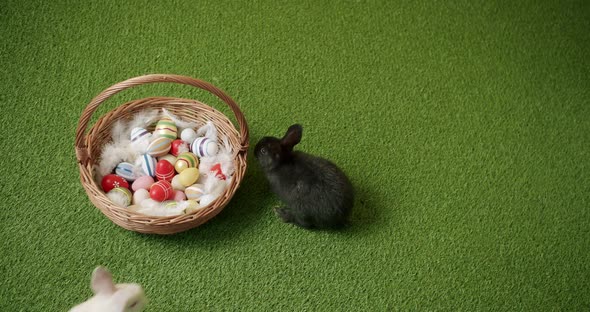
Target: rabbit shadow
[(366, 213), (243, 212)]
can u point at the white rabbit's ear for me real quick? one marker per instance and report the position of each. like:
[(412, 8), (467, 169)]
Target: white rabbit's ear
[(102, 281)]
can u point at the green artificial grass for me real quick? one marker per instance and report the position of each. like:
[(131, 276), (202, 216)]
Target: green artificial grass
[(464, 126)]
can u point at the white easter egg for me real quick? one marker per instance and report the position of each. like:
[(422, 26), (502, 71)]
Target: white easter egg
[(204, 147), (140, 195), (188, 135), (138, 133)]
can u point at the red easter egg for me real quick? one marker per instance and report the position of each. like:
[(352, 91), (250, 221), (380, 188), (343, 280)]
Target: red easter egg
[(110, 181), (164, 170), (216, 170), (161, 191), (178, 146)]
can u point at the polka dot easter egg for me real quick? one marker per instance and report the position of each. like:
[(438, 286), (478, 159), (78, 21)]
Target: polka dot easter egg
[(186, 160), (111, 181), (166, 128), (159, 147), (204, 147), (164, 170)]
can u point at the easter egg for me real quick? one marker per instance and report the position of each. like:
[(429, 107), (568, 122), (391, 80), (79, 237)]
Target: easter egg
[(216, 170), (178, 146), (169, 157), (140, 195), (159, 147), (188, 135), (138, 133), (164, 170), (111, 181), (166, 128), (191, 206), (188, 176), (125, 170), (186, 160), (148, 164), (195, 191), (204, 147), (176, 185), (178, 196), (142, 183), (170, 205), (161, 191), (120, 196)]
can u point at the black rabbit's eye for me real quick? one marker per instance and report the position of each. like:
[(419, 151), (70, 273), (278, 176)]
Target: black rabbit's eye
[(263, 151)]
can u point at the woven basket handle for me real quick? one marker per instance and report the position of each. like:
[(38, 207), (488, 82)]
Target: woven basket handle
[(81, 148)]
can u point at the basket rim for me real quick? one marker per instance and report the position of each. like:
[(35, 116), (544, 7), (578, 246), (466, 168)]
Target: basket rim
[(81, 130)]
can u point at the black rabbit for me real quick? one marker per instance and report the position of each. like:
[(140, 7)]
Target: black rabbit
[(317, 193)]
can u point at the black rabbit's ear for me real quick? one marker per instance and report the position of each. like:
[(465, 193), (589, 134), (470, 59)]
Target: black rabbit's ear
[(292, 137)]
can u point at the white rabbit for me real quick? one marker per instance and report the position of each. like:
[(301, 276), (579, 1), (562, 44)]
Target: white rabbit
[(109, 297)]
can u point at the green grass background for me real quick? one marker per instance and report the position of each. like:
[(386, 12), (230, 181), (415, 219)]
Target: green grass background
[(464, 126)]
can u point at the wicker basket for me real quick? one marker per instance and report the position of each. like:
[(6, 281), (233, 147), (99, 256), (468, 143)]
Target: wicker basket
[(89, 145)]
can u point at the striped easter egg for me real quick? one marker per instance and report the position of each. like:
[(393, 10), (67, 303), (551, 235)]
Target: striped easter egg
[(161, 191), (204, 147), (166, 128), (148, 164), (120, 196), (159, 147), (125, 170), (164, 170), (186, 160), (194, 191), (138, 133)]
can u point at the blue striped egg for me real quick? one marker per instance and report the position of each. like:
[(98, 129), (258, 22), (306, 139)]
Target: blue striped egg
[(138, 133), (148, 164), (204, 147), (125, 170)]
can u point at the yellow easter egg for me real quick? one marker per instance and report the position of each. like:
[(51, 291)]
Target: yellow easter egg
[(186, 160), (166, 128), (188, 176), (192, 206)]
